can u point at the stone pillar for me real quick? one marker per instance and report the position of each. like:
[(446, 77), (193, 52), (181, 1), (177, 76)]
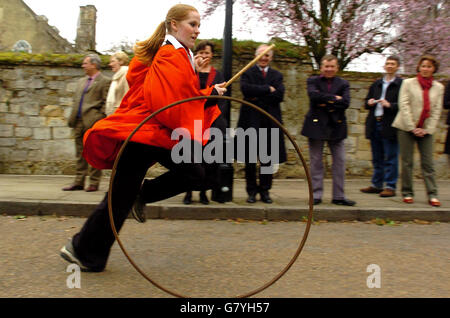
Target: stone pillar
[(87, 20)]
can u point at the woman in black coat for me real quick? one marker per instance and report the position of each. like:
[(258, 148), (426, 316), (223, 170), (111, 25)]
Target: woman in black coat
[(207, 76)]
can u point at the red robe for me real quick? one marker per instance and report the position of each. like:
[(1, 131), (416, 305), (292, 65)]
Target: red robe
[(170, 78)]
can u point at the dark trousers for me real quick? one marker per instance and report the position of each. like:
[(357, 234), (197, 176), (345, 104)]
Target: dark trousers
[(337, 148), (83, 169), (407, 142), (265, 180), (93, 243)]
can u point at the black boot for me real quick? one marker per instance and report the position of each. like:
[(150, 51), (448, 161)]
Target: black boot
[(203, 197), (265, 197), (188, 198)]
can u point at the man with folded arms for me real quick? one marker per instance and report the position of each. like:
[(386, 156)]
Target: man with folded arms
[(329, 97)]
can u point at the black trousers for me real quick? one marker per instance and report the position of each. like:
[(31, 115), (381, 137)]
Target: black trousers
[(265, 180), (93, 243)]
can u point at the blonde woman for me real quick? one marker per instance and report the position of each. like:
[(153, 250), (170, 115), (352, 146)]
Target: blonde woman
[(119, 85), (162, 72), (420, 106)]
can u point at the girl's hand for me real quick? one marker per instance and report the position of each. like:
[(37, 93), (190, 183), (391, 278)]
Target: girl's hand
[(220, 88)]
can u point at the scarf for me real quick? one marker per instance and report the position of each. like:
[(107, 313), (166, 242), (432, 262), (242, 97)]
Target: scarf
[(425, 83), (211, 76)]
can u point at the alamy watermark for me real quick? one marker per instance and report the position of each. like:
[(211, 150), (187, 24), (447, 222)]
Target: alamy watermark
[(249, 145), (74, 279), (374, 279)]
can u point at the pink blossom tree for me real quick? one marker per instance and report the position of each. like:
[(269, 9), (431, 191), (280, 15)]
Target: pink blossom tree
[(425, 29), (347, 28)]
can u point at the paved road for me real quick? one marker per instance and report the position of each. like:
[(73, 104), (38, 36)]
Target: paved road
[(228, 258)]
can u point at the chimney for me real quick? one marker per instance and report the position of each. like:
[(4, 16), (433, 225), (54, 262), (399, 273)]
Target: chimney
[(87, 20)]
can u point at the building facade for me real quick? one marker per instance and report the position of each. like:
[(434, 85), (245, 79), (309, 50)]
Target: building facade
[(21, 27)]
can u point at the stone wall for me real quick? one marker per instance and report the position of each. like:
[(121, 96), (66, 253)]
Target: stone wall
[(36, 96)]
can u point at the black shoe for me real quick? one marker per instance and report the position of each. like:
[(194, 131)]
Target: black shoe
[(265, 197), (317, 201), (188, 198), (203, 198), (68, 253), (251, 198), (344, 202), (137, 210)]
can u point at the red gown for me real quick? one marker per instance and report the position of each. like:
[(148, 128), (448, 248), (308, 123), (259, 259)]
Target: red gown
[(168, 79)]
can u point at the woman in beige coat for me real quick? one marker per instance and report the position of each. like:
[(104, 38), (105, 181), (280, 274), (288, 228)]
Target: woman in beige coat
[(119, 85), (420, 106)]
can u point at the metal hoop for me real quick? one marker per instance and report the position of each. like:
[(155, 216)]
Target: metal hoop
[(297, 149)]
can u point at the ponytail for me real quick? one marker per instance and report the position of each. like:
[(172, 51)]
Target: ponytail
[(146, 50)]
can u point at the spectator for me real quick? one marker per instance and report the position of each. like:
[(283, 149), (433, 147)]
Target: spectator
[(329, 98), (381, 101), (119, 85), (420, 106), (262, 86), (88, 107), (447, 106), (208, 76)]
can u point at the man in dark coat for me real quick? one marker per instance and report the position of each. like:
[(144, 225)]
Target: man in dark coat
[(329, 98), (382, 103), (447, 106), (263, 86)]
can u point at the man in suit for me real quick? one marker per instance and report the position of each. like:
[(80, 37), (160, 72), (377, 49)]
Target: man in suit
[(447, 106), (88, 107), (329, 98), (382, 103), (263, 86)]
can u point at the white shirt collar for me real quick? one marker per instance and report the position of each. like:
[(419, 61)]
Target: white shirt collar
[(386, 81), (170, 38), (266, 69), (177, 45)]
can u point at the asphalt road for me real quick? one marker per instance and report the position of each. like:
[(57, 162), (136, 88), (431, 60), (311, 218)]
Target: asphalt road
[(230, 258)]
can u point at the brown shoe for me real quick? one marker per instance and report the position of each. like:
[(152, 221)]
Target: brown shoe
[(73, 187), (371, 190), (387, 193), (91, 188)]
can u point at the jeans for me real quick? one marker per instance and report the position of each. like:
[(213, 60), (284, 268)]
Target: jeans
[(384, 159)]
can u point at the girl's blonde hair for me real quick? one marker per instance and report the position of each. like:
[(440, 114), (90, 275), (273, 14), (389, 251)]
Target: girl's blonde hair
[(146, 50)]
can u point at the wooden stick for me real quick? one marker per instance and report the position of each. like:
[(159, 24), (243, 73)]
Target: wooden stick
[(253, 62)]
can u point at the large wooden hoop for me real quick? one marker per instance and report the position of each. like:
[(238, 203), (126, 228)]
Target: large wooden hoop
[(297, 149)]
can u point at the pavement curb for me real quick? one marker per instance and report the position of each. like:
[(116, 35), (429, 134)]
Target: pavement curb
[(224, 212)]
